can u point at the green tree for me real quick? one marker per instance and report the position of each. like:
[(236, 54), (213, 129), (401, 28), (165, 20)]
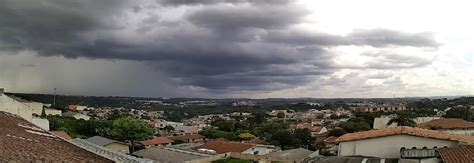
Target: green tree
[(131, 129), (403, 119), (303, 138), (461, 112), (283, 138), (246, 136), (337, 132), (168, 129)]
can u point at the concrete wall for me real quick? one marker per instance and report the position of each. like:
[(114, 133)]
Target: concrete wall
[(259, 150), (118, 147), (13, 106), (52, 112), (36, 107), (40, 122), (389, 146)]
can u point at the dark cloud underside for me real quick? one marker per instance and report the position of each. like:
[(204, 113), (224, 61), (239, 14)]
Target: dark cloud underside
[(216, 45)]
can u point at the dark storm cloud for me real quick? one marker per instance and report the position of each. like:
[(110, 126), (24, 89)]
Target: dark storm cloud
[(209, 2), (215, 46)]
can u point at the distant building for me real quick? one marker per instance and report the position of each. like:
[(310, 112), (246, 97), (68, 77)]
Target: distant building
[(52, 111), (22, 141), (452, 125), (76, 107), (221, 146), (109, 143), (387, 143), (381, 108), (157, 141), (77, 115), (194, 138)]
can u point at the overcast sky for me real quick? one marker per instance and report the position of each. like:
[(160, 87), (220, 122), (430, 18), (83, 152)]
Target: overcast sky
[(238, 48)]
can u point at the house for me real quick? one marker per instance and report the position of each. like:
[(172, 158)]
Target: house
[(22, 141), (292, 155), (77, 115), (186, 130), (76, 107), (109, 143), (108, 153), (381, 108), (62, 134), (315, 130), (222, 146), (157, 141), (194, 138), (457, 154), (169, 155), (52, 111), (452, 125), (387, 143), (162, 124)]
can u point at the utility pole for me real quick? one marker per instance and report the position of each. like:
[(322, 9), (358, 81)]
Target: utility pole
[(54, 97)]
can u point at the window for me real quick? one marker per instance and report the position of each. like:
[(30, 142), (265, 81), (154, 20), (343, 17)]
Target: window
[(413, 147)]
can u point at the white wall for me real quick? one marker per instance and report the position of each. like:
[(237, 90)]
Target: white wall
[(42, 123), (389, 146), (52, 111), (36, 107), (13, 106), (262, 150)]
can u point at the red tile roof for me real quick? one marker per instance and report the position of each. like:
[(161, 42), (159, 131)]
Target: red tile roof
[(62, 134), (226, 146), (187, 137), (331, 139), (157, 141), (404, 130), (450, 123), (462, 154), (22, 141)]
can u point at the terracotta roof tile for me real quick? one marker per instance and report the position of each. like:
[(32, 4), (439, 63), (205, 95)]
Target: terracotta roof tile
[(450, 123), (187, 137), (462, 154), (404, 130), (22, 141), (157, 141), (226, 146)]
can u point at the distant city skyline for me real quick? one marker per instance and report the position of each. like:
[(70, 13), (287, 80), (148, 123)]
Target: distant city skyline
[(238, 48)]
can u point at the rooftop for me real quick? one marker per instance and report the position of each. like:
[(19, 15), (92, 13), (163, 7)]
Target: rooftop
[(404, 130), (457, 154), (187, 137), (169, 154), (221, 146), (157, 140), (292, 154), (449, 123), (22, 141), (99, 140)]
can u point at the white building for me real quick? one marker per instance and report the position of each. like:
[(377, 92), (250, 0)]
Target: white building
[(52, 111), (452, 125), (15, 106), (261, 149), (77, 115), (387, 143)]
